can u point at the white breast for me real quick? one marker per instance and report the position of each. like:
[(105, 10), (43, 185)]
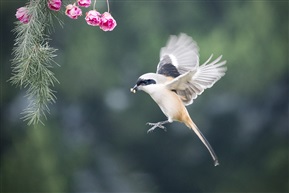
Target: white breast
[(167, 100)]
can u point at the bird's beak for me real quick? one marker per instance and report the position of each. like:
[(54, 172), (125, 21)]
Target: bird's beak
[(134, 89)]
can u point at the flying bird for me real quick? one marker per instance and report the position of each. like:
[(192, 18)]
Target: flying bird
[(179, 79)]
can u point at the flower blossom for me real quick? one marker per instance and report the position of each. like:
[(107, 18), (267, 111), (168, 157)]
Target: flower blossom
[(73, 11), (84, 3), (54, 5), (93, 18), (107, 22), (22, 15)]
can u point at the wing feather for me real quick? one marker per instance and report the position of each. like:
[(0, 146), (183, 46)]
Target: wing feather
[(183, 53), (205, 77), (179, 59)]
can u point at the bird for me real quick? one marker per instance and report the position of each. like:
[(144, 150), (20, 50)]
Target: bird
[(178, 80)]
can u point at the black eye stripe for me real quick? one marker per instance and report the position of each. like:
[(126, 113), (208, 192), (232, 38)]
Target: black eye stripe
[(145, 82), (150, 81)]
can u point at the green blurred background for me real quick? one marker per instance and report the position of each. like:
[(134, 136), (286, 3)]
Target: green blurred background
[(95, 138)]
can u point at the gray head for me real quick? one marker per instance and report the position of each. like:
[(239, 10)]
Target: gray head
[(147, 80)]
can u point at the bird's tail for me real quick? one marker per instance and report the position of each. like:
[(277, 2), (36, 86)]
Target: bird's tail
[(193, 126)]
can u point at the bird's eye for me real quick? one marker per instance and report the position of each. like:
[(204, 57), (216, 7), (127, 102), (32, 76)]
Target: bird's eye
[(149, 81), (145, 82)]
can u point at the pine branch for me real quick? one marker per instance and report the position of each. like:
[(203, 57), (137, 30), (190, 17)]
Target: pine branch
[(33, 60)]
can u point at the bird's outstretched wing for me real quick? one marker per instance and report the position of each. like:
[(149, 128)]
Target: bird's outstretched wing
[(180, 60), (180, 55)]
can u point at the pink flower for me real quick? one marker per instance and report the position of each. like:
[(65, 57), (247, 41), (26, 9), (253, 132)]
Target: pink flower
[(22, 15), (73, 11), (54, 5), (84, 3), (93, 18), (107, 22)]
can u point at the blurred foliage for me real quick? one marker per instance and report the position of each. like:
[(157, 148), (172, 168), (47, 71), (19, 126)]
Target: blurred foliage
[(95, 137)]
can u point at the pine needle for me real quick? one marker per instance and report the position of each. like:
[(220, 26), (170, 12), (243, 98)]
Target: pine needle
[(33, 60)]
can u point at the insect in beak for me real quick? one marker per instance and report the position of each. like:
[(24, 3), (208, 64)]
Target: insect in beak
[(134, 89)]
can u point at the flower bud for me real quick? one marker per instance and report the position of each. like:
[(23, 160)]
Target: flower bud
[(93, 18), (22, 15), (54, 5), (73, 11), (107, 22), (84, 3)]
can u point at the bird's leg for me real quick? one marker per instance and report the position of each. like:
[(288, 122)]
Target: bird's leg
[(158, 124)]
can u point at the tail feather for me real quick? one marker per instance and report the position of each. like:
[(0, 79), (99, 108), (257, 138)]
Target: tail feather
[(193, 126)]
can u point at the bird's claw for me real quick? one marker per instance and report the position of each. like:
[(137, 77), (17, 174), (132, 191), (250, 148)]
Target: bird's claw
[(155, 125)]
